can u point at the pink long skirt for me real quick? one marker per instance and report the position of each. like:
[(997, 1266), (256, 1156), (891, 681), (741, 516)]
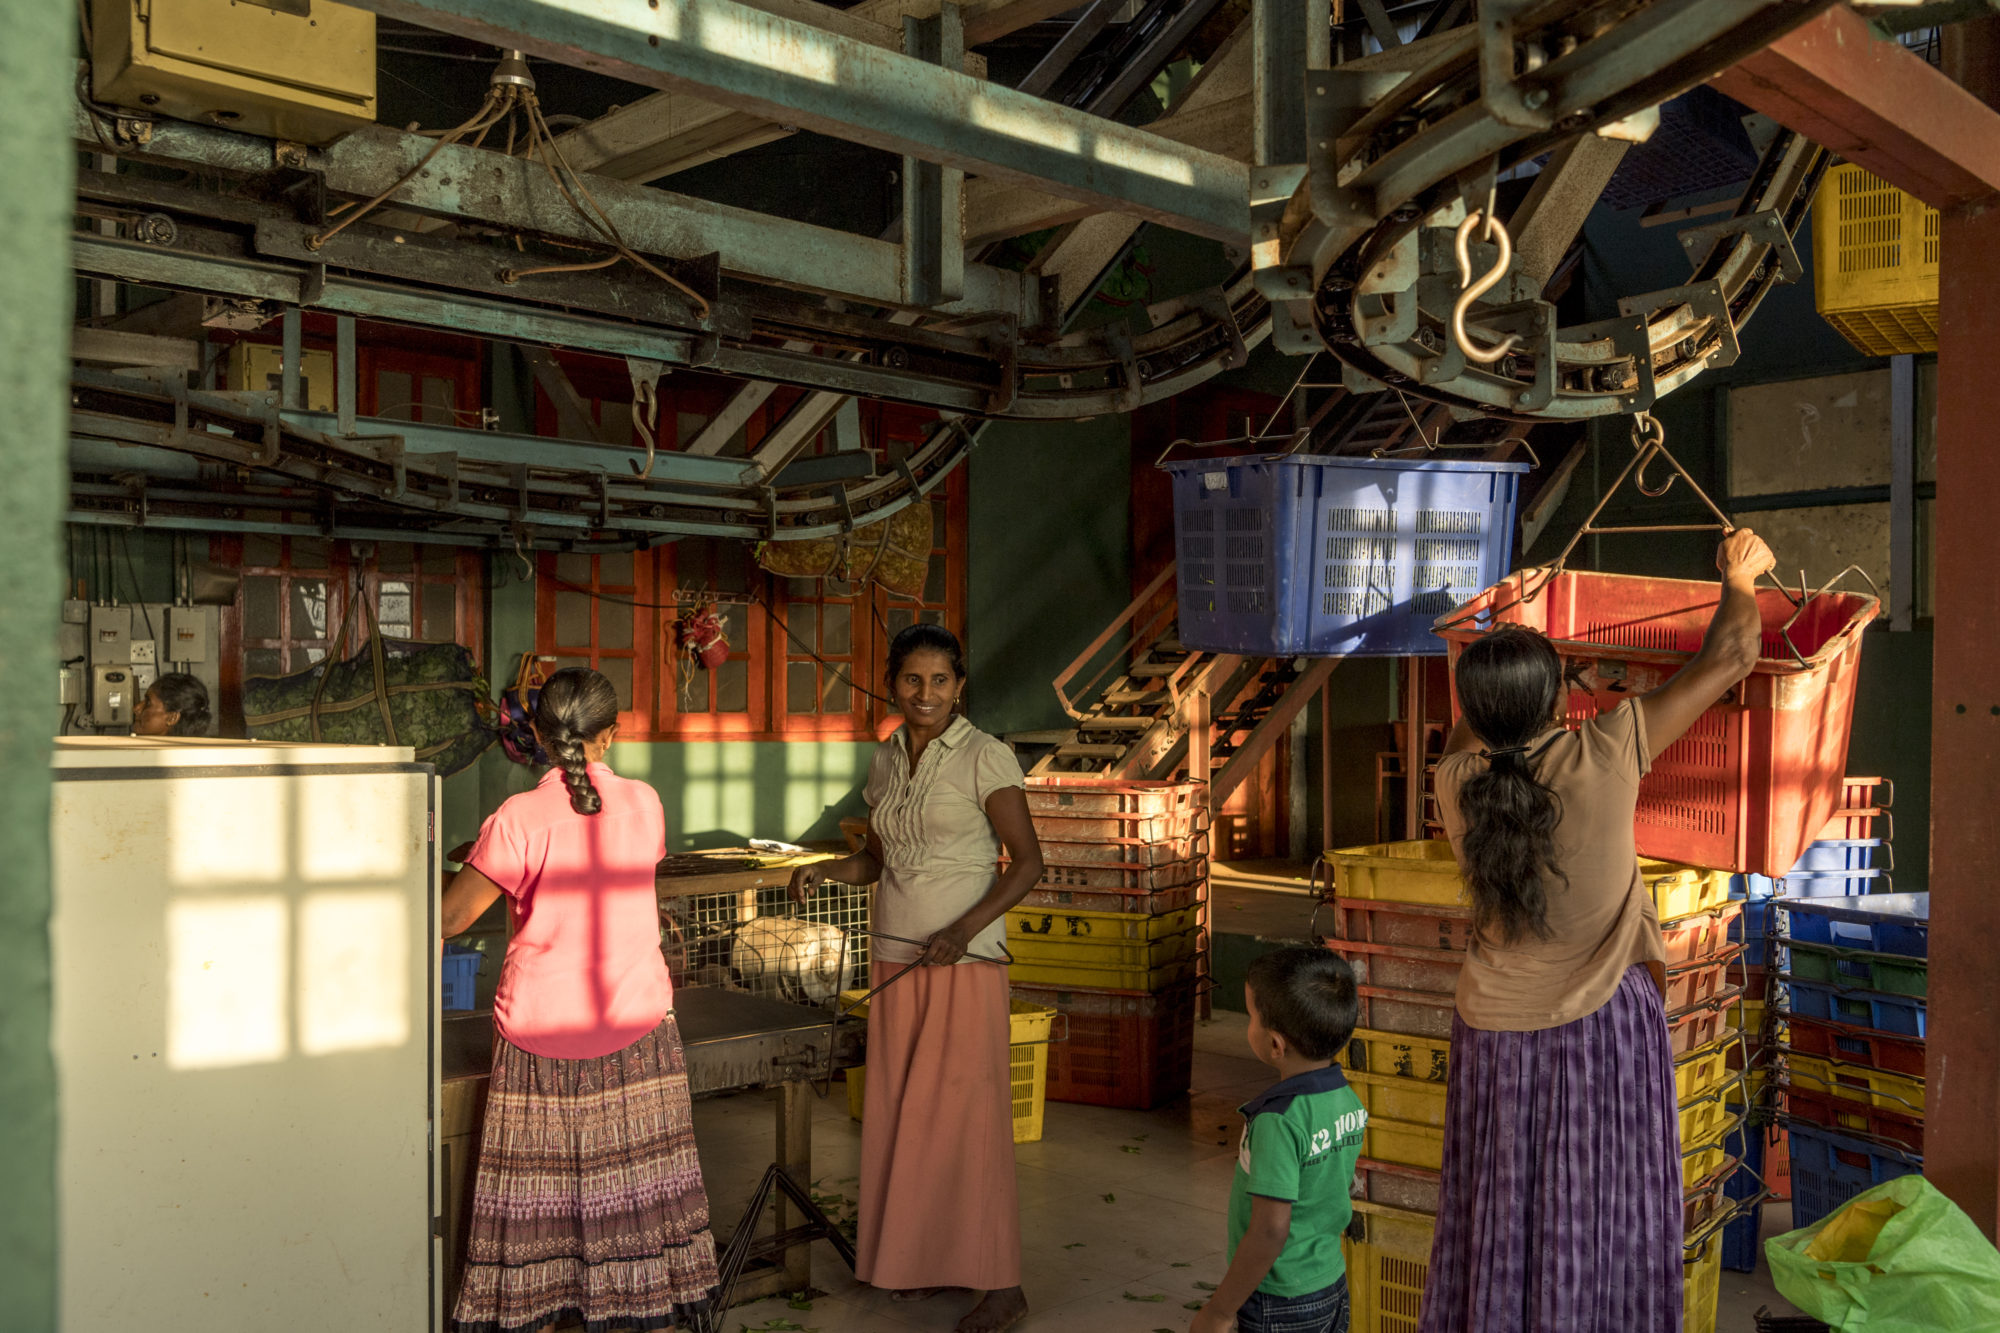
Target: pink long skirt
[(938, 1200)]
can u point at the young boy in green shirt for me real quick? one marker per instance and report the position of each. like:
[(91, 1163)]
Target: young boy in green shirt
[(1289, 1203)]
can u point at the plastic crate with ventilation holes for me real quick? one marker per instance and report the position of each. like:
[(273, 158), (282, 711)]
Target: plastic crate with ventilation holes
[(1758, 776), (1875, 263), (1316, 556)]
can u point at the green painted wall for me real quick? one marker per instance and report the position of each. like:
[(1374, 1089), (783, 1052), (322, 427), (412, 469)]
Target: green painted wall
[(35, 296), (1050, 560)]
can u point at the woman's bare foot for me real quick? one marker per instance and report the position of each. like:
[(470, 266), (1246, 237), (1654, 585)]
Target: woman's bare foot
[(909, 1295), (996, 1310)]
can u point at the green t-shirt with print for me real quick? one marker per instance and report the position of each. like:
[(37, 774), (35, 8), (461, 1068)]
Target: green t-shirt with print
[(1300, 1139)]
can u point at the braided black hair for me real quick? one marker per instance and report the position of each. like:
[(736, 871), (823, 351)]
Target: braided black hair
[(1509, 684), (576, 704)]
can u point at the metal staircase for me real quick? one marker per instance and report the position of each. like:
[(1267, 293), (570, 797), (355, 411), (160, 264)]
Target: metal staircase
[(1156, 709)]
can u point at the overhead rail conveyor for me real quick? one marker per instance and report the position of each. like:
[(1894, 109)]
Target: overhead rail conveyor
[(1352, 251)]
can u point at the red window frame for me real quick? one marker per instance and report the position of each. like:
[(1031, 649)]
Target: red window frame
[(602, 598)]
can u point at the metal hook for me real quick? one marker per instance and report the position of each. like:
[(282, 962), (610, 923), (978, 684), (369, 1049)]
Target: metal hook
[(645, 406), (1649, 437), (527, 569), (1474, 290)]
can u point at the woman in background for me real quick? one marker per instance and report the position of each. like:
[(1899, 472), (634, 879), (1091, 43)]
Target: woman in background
[(1560, 1202), (588, 1199), (938, 1203), (175, 705)]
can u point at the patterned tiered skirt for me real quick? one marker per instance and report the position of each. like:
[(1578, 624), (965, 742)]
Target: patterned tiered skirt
[(588, 1198), (1560, 1207)]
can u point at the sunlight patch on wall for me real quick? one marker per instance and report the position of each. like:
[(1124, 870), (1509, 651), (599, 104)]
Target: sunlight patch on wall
[(354, 977)]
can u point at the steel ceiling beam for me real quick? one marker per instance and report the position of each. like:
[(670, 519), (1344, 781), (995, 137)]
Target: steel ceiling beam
[(473, 184), (797, 74), (1876, 103)]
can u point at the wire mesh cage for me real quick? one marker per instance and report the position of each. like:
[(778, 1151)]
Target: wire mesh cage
[(760, 941)]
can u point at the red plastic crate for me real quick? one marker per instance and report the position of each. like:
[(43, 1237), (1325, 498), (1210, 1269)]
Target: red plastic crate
[(1406, 925), (1857, 1046), (1697, 937), (1122, 1048), (1070, 796), (1843, 1115), (1858, 824), (1756, 778)]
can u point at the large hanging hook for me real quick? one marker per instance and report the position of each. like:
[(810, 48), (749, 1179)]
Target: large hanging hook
[(1496, 232), (645, 406), (1649, 439)]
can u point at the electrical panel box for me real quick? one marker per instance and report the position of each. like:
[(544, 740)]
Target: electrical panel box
[(111, 636), (145, 653), (76, 611), (111, 696), (260, 368), (71, 687), (302, 70), (188, 633)]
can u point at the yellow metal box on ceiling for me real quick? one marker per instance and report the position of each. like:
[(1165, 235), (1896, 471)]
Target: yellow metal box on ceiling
[(302, 70)]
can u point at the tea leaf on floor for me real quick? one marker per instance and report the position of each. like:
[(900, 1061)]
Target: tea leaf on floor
[(801, 1300), (779, 1326), (1140, 1138), (1203, 1286), (1127, 1147), (1155, 1297), (1074, 1245), (1111, 1198), (1183, 1264), (1195, 1305)]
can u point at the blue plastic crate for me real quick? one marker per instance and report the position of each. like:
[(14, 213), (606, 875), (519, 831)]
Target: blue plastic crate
[(1880, 923), (1753, 929), (1897, 1015), (1829, 868), (1828, 1169), (459, 969), (1315, 556), (1739, 1238)]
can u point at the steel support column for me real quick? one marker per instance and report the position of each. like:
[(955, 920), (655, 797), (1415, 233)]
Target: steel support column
[(1876, 103), (803, 75), (36, 290), (934, 195)]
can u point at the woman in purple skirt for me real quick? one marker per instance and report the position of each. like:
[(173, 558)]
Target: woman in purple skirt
[(1560, 1209)]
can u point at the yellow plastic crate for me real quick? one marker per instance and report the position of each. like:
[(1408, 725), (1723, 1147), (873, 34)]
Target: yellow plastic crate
[(1701, 1282), (1027, 1065), (1704, 1119), (1047, 925), (1141, 965), (1413, 1101), (1388, 1253), (1877, 1087), (1399, 872), (1875, 263), (1403, 1142), (1703, 1070), (1704, 1156), (1684, 890), (1400, 1053)]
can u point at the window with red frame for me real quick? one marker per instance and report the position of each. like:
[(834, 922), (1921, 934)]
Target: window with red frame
[(595, 611)]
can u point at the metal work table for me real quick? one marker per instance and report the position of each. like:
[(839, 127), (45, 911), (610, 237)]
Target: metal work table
[(734, 1041)]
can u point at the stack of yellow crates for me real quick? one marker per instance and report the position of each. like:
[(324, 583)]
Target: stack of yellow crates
[(1114, 936), (1399, 916)]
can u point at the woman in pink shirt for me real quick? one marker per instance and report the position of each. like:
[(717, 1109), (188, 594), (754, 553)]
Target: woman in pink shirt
[(588, 1199)]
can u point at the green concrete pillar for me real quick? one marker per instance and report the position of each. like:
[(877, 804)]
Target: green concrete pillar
[(37, 168)]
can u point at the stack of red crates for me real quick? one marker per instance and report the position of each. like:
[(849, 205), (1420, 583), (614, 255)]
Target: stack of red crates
[(1123, 1045)]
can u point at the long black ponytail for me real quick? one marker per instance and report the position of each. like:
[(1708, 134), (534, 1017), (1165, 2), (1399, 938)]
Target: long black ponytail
[(576, 704), (1509, 684)]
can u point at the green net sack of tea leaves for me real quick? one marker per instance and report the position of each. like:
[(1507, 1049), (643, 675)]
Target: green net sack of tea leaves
[(428, 696)]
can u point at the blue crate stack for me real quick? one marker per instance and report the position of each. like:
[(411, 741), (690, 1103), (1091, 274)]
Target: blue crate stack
[(1854, 981), (1854, 858)]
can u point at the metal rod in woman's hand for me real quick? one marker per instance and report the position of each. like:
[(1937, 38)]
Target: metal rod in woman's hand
[(976, 957)]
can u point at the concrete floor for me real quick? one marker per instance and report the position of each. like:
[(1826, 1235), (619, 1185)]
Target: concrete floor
[(1122, 1212)]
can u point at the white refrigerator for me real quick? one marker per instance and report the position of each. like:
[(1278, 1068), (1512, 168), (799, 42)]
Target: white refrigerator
[(245, 1029)]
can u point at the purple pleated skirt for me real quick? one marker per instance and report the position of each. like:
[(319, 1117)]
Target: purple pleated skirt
[(1560, 1208)]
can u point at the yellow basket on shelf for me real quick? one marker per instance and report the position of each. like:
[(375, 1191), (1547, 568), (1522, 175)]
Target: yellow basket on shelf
[(1104, 964), (1027, 1065), (1413, 1101), (1404, 1142), (1388, 1253), (1703, 1070), (1057, 925), (1876, 1087), (1400, 1053), (1875, 263)]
